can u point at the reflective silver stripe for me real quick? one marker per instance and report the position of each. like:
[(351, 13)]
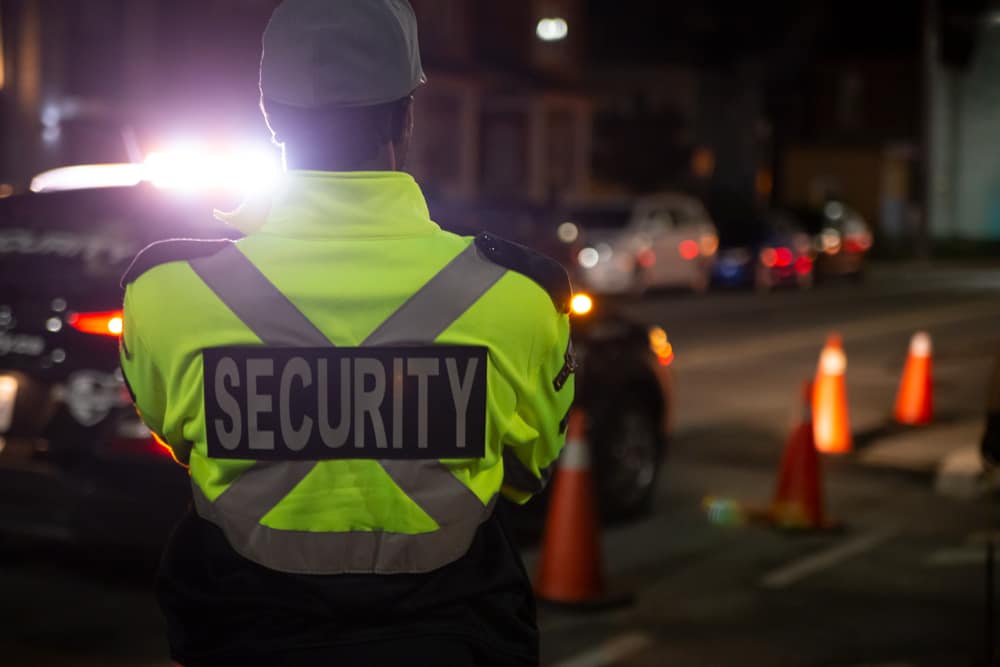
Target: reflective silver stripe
[(255, 300), (516, 474), (444, 298), (430, 484), (360, 552)]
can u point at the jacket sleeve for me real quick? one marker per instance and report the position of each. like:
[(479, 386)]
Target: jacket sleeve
[(145, 381), (537, 435)]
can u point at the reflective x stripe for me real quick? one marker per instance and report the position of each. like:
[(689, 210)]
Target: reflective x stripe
[(430, 484), (255, 300)]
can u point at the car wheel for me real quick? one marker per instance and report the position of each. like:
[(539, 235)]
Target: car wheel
[(627, 444)]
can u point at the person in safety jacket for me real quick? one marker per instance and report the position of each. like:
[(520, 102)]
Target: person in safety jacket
[(351, 387)]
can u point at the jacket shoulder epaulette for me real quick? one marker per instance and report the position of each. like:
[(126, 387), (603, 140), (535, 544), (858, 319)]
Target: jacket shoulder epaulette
[(171, 250), (542, 269)]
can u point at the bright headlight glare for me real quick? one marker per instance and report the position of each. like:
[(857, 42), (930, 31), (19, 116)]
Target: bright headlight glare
[(251, 170)]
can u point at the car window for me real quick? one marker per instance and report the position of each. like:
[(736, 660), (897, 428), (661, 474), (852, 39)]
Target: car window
[(682, 216)]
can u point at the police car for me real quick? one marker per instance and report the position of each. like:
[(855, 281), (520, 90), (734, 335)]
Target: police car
[(77, 464)]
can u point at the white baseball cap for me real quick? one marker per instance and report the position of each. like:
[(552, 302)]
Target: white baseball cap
[(340, 53)]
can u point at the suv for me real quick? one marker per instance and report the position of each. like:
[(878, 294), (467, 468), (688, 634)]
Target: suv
[(669, 240)]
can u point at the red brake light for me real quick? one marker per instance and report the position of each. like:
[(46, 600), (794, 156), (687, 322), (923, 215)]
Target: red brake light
[(783, 257), (144, 447), (768, 257), (106, 323), (688, 249)]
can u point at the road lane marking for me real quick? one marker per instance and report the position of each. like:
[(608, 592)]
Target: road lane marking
[(957, 557), (611, 651), (800, 569), (726, 353)]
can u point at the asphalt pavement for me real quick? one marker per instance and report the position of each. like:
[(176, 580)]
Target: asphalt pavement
[(898, 582)]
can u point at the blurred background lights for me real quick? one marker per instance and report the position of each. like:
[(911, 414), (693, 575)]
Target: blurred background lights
[(588, 258), (552, 29), (581, 304), (568, 232)]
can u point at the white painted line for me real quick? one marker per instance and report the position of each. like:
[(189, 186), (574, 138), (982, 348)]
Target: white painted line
[(958, 557), (726, 353), (611, 651), (800, 569)]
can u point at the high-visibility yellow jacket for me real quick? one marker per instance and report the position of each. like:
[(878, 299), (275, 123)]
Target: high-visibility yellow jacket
[(349, 260)]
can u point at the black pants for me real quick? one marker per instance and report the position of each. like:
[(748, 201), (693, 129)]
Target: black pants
[(440, 652), (222, 609)]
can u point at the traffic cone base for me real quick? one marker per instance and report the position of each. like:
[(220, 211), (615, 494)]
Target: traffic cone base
[(798, 497)]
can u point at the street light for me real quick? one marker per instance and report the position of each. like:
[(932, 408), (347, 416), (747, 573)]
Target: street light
[(552, 29)]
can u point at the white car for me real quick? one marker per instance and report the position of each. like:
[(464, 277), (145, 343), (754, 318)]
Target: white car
[(668, 241)]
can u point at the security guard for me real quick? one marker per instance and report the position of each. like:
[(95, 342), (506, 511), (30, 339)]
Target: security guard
[(350, 386)]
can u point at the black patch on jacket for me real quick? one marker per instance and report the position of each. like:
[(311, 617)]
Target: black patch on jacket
[(544, 270), (570, 366), (172, 250)]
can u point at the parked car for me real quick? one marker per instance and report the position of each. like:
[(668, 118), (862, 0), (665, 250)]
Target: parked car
[(764, 251), (77, 464), (667, 240), (842, 239)]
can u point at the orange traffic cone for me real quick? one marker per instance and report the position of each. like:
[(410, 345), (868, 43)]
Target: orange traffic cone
[(798, 498), (831, 426), (570, 569), (914, 401)]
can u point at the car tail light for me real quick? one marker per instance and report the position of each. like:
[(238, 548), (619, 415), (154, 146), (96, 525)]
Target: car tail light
[(688, 249), (803, 265), (105, 323), (768, 257), (144, 447), (660, 346), (782, 257), (709, 244), (857, 243), (132, 438)]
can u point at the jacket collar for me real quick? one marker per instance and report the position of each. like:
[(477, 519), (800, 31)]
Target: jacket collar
[(339, 205)]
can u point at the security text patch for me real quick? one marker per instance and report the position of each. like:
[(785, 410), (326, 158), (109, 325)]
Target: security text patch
[(425, 402)]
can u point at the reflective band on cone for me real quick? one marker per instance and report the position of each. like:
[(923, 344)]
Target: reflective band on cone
[(831, 425), (914, 400)]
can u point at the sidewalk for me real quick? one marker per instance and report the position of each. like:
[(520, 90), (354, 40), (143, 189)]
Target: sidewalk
[(946, 452)]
